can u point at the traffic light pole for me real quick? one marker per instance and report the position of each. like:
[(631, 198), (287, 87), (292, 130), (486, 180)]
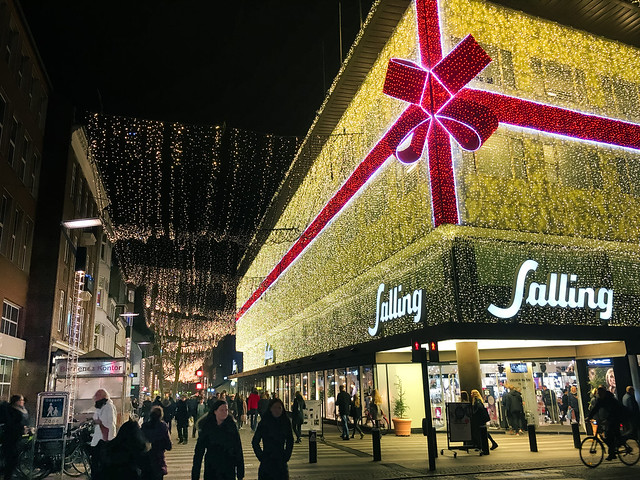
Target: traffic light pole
[(427, 423)]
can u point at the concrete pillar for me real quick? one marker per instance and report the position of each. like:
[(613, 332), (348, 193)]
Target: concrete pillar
[(469, 372)]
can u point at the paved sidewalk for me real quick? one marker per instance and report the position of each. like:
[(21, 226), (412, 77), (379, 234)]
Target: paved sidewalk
[(402, 457)]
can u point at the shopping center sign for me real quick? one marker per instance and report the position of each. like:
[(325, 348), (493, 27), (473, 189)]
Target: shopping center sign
[(397, 306), (560, 291)]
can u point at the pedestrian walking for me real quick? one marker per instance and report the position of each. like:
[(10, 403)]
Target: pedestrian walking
[(192, 408), (201, 409), (630, 403), (343, 402), (356, 415), (169, 407), (145, 410), (263, 404), (375, 408), (182, 420), (104, 419), (252, 406), (573, 410), (479, 418), (157, 434), (219, 443), (297, 415), (515, 410), (274, 431), (15, 418), (125, 455), (241, 409)]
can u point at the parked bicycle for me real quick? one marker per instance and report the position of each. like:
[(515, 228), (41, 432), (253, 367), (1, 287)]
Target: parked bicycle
[(592, 449), (36, 462), (369, 421)]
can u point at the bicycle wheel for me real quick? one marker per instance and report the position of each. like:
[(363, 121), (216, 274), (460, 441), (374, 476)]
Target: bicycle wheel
[(591, 452), (384, 426), (76, 463), (629, 451), (28, 471)]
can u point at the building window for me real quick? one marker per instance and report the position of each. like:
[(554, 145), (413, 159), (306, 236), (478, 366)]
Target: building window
[(6, 370), (25, 253), (35, 173), (13, 239), (12, 38), (61, 312), (72, 190), (13, 139), (79, 196), (131, 296), (22, 161), (3, 111), (10, 314), (4, 208)]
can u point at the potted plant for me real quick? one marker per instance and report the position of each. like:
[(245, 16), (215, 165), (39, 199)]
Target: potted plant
[(401, 423)]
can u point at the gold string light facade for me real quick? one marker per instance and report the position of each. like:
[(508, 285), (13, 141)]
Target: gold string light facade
[(573, 204)]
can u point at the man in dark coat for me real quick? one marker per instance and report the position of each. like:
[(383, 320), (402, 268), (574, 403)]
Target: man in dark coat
[(182, 420), (515, 410), (343, 402), (219, 438), (630, 403), (276, 435)]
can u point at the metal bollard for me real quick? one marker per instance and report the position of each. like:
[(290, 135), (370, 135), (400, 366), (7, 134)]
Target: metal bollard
[(575, 431), (377, 453), (313, 447), (533, 442), (484, 440)]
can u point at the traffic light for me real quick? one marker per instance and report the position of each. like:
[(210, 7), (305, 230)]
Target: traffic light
[(434, 353), (199, 372), (198, 386), (418, 354)]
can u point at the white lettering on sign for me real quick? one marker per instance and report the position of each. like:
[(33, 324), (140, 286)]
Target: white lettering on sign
[(559, 291), (397, 306)]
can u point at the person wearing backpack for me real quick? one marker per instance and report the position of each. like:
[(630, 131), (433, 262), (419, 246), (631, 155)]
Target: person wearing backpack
[(297, 415)]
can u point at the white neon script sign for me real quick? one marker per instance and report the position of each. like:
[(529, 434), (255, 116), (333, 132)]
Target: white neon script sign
[(560, 291), (397, 306)]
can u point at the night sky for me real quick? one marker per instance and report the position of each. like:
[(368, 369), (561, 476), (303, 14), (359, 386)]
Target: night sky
[(256, 65)]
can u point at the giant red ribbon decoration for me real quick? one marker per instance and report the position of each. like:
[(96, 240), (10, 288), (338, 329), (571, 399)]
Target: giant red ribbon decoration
[(440, 106)]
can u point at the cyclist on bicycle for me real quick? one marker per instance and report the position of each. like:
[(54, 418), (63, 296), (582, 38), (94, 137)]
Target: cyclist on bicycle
[(611, 414)]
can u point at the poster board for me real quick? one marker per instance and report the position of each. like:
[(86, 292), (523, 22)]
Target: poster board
[(459, 421), (312, 415)]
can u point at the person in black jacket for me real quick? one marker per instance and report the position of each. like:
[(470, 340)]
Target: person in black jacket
[(297, 415), (15, 419), (219, 437), (274, 431), (515, 410), (124, 456), (343, 402), (182, 420), (157, 433)]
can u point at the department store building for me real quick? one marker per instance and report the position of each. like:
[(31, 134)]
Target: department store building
[(520, 257)]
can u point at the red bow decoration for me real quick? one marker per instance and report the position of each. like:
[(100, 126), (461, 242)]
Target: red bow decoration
[(432, 95), (442, 106)]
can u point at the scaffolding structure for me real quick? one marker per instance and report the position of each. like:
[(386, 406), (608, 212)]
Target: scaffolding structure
[(75, 335)]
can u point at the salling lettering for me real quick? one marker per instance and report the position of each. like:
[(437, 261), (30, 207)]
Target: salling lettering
[(396, 306), (559, 291)]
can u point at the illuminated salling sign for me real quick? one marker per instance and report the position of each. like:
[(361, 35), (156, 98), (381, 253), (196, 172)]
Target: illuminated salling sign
[(560, 291), (397, 306)]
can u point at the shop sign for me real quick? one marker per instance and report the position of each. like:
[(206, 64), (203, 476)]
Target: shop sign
[(397, 306), (268, 354), (600, 362), (560, 291), (94, 368)]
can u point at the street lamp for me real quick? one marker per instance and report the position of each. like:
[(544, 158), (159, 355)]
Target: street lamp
[(82, 223)]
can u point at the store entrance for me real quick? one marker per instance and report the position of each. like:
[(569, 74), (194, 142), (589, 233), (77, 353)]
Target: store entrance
[(548, 389)]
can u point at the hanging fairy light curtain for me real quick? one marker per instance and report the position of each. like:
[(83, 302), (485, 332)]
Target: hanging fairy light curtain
[(185, 203)]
